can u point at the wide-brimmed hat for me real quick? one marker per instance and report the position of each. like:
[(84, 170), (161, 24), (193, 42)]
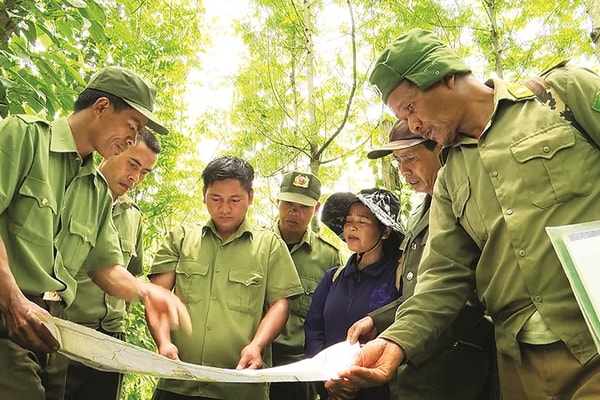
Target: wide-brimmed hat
[(400, 138), (418, 56), (130, 87), (300, 187), (384, 205)]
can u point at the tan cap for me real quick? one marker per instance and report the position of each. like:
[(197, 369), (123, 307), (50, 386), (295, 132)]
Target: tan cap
[(400, 138)]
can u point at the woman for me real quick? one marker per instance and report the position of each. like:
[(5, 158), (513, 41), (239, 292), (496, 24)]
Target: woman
[(368, 224)]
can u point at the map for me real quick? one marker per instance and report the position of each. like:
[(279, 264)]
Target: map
[(106, 353)]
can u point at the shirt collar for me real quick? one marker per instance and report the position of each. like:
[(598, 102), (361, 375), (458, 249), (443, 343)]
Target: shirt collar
[(307, 238), (244, 228), (62, 141), (374, 269)]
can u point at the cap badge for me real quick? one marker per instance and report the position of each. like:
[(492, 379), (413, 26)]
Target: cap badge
[(301, 181)]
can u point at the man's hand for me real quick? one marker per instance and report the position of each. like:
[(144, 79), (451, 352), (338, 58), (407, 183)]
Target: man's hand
[(341, 389), (250, 358), (169, 350), (375, 364), (362, 331), (24, 326), (163, 307)]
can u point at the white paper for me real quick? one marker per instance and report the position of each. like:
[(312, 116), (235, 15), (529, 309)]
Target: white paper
[(106, 353)]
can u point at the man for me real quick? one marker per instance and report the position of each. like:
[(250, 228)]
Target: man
[(459, 364), (55, 219), (513, 167), (298, 201), (92, 307), (236, 282)]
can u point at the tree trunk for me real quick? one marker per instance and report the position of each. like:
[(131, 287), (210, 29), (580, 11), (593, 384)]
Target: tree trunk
[(593, 9)]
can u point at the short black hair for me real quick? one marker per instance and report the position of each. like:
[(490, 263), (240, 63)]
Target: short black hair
[(89, 97), (429, 144), (149, 140), (228, 167)]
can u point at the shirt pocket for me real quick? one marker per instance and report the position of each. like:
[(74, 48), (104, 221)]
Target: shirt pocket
[(547, 162), (77, 245), (245, 291), (467, 213), (300, 304), (34, 214), (188, 280)]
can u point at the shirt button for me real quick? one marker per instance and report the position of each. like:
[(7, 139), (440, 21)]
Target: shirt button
[(44, 201), (483, 145), (218, 270), (495, 174), (410, 276), (413, 246), (214, 298), (522, 253), (77, 159), (85, 239), (546, 149), (537, 299), (509, 211), (209, 328)]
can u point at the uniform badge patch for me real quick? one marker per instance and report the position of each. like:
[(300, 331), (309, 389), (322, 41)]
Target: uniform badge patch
[(301, 181), (596, 104)]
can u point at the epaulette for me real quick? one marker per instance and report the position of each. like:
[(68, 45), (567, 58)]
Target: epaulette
[(554, 66), (519, 91), (328, 241), (32, 119)]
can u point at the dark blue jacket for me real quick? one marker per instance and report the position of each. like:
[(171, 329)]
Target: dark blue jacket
[(337, 305)]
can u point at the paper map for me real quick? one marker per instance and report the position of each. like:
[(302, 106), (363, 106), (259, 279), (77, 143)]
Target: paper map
[(106, 353)]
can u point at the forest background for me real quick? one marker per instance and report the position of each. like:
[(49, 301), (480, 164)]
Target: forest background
[(289, 88)]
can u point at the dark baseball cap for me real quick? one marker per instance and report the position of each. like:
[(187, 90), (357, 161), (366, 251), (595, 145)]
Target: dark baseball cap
[(400, 138), (130, 87), (300, 187)]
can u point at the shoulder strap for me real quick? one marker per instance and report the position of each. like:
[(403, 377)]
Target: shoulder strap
[(337, 273), (548, 96)]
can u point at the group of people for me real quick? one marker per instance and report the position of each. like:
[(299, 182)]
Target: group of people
[(467, 302)]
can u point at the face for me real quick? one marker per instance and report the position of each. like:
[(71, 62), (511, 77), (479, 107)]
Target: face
[(432, 114), (419, 167), (361, 228), (227, 202), (115, 131), (128, 169), (295, 217)]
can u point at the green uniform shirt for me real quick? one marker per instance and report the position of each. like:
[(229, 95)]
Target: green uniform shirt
[(94, 308), (227, 287), (312, 257), (54, 207), (529, 169)]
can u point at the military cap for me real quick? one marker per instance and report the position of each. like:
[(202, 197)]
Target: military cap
[(400, 138), (300, 187), (130, 87), (418, 56)]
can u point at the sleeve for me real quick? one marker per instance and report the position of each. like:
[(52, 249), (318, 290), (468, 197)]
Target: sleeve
[(17, 152), (579, 88), (136, 264), (108, 248), (446, 279), (283, 280), (314, 324), (384, 317), (168, 254)]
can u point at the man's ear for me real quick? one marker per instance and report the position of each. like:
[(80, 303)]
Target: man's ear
[(250, 196), (317, 207), (450, 80), (100, 105)]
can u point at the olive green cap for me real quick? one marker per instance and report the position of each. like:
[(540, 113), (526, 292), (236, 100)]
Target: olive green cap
[(130, 87), (300, 187), (418, 56)]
